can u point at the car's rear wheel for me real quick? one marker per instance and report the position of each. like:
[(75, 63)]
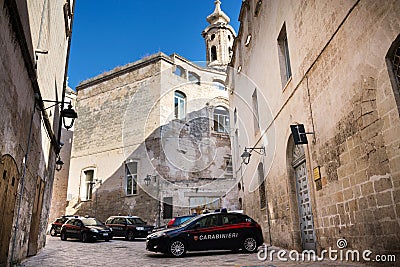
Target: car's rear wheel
[(53, 231), (249, 244), (177, 248), (84, 237), (130, 236), (63, 236)]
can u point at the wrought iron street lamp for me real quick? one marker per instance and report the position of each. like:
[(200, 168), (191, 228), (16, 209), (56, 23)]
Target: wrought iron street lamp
[(59, 164), (246, 154), (68, 115)]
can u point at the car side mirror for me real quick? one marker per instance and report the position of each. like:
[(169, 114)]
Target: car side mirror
[(197, 225)]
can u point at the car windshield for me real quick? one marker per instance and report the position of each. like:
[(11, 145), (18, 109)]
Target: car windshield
[(188, 222), (91, 222)]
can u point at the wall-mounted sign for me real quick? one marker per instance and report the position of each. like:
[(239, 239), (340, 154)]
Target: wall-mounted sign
[(317, 173)]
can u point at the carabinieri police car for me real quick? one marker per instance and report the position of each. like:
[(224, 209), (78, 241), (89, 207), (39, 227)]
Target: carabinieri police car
[(212, 231)]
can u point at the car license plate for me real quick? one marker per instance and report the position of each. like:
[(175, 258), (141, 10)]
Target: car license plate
[(140, 228), (105, 234)]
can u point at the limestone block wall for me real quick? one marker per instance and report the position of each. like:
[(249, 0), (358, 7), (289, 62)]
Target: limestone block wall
[(340, 89)]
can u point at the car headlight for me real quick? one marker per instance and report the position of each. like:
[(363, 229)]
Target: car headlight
[(94, 230), (139, 228), (157, 235)]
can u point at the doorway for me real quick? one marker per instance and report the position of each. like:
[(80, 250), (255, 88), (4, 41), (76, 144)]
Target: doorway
[(303, 197), (9, 180)]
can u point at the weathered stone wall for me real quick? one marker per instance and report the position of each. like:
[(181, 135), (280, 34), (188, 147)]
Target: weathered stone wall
[(341, 90), (18, 76), (122, 116)]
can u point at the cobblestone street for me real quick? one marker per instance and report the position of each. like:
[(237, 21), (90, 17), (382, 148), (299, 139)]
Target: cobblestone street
[(119, 252)]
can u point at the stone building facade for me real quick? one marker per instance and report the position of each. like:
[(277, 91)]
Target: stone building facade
[(153, 138), (332, 66), (34, 47)]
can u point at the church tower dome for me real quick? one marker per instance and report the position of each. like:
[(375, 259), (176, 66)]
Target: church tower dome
[(219, 37)]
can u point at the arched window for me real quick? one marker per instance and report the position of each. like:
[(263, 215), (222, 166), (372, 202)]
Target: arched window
[(193, 77), (221, 120), (87, 183), (180, 105), (180, 71), (219, 84), (393, 61), (213, 53)]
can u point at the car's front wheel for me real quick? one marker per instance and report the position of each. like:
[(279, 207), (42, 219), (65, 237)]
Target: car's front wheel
[(177, 248), (63, 236), (53, 231), (130, 236), (249, 244), (85, 237)]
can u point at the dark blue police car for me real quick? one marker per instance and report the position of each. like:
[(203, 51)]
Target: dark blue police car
[(212, 231)]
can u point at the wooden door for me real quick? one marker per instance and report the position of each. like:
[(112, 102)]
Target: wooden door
[(9, 179)]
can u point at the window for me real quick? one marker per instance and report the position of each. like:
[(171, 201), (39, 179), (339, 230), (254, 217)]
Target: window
[(228, 167), (87, 185), (284, 58), (258, 7), (213, 53), (167, 208), (180, 105), (221, 120), (193, 77), (180, 71), (261, 188), (208, 221), (232, 219), (235, 116), (255, 112), (131, 170), (212, 37), (395, 60), (219, 85)]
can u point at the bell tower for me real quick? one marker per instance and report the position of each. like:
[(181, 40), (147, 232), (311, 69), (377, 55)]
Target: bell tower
[(219, 37)]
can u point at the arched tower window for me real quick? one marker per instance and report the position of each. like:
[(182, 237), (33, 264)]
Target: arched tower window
[(221, 120), (180, 105), (213, 53), (393, 62)]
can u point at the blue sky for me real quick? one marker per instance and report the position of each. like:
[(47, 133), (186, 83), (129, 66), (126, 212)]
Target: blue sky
[(111, 33)]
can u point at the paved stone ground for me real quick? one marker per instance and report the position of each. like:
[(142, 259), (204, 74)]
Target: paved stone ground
[(119, 252)]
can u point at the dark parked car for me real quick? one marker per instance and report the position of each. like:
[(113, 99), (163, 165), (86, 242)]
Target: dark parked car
[(56, 225), (212, 231), (85, 229), (129, 227)]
